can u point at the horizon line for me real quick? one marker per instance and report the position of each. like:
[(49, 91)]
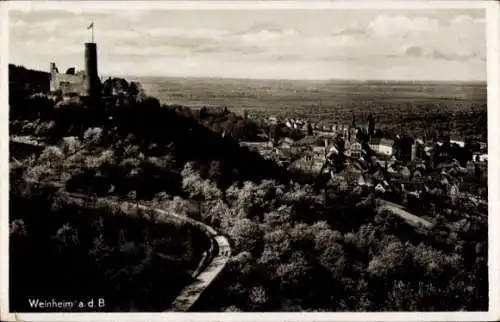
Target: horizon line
[(300, 79), (357, 80)]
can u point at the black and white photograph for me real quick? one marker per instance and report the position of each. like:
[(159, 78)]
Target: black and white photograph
[(253, 158)]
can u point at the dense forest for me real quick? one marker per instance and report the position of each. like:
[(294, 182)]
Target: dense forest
[(24, 81), (346, 258), (294, 248)]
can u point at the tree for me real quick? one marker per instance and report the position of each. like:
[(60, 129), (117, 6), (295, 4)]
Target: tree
[(325, 237), (214, 171), (293, 273), (232, 308), (429, 259), (93, 135), (242, 198), (243, 263), (161, 199), (18, 228), (100, 250), (107, 87), (388, 261), (53, 155), (215, 211), (70, 145), (246, 236), (37, 173), (179, 206), (301, 237), (120, 84), (133, 89), (281, 217), (277, 241), (332, 258), (132, 195), (270, 259), (45, 128), (95, 162), (197, 188), (67, 235), (258, 296)]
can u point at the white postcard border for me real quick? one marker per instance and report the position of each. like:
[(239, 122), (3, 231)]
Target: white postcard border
[(493, 84)]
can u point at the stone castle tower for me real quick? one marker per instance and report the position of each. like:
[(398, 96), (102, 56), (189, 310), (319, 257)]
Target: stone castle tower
[(92, 82), (84, 83)]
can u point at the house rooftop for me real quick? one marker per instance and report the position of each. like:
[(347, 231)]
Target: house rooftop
[(307, 140), (387, 142), (382, 141)]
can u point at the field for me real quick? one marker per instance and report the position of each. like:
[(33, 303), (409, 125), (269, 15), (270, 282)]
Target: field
[(459, 107)]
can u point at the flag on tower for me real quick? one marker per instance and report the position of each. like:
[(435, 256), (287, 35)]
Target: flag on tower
[(91, 26)]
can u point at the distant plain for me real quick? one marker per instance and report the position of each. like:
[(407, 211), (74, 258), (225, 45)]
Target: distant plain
[(395, 104)]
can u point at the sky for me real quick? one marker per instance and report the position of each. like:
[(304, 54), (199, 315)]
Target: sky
[(439, 44)]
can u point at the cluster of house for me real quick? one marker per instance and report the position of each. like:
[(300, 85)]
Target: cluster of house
[(350, 133), (383, 147), (396, 165), (408, 181), (302, 124), (449, 180), (389, 176)]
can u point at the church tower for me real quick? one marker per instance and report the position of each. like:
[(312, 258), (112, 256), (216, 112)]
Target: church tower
[(371, 126)]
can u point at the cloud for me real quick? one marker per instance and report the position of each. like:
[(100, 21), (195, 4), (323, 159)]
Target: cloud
[(388, 26), (458, 57), (352, 29), (460, 38), (414, 51), (132, 37), (464, 20)]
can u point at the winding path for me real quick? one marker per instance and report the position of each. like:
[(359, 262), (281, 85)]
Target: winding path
[(26, 139), (192, 292), (399, 211), (218, 253), (211, 264)]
